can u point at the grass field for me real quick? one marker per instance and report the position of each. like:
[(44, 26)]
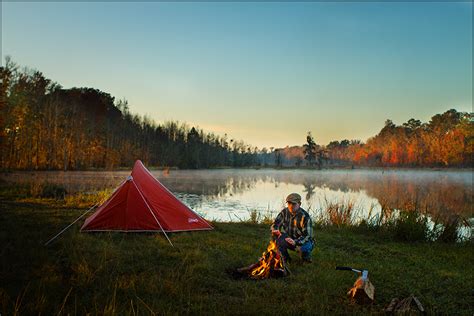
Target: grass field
[(141, 274)]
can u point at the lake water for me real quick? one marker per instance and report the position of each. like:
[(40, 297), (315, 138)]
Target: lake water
[(232, 194)]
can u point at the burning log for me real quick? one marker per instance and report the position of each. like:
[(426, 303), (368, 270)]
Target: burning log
[(271, 265)]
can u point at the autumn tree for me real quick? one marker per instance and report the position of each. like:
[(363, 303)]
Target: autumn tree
[(44, 126)]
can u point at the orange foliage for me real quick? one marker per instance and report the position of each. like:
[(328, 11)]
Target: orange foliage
[(447, 140)]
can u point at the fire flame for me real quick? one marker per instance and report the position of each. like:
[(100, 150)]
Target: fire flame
[(269, 264)]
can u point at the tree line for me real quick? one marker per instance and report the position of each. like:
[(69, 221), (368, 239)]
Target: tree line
[(44, 126), (447, 140)]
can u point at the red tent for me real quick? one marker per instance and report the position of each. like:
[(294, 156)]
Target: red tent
[(141, 203)]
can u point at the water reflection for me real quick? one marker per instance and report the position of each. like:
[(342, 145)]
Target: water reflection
[(230, 195), (309, 190)]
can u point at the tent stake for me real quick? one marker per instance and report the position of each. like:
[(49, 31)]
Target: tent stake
[(156, 219)]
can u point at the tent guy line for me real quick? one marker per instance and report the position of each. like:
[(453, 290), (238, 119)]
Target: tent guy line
[(62, 231), (94, 206)]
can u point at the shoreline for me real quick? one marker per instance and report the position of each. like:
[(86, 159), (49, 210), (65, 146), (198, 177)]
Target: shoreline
[(152, 168)]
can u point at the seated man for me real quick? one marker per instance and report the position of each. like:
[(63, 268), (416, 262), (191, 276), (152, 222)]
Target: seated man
[(293, 228)]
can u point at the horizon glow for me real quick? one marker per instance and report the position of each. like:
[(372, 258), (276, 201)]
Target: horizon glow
[(265, 73)]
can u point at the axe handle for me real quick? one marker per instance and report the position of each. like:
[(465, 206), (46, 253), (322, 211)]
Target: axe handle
[(348, 269), (344, 268)]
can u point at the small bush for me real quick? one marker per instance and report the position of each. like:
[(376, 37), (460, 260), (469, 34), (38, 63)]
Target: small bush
[(254, 217), (450, 229), (53, 191), (410, 226), (47, 190), (257, 217), (368, 226)]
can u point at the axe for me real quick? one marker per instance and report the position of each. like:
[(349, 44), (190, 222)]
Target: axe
[(363, 273)]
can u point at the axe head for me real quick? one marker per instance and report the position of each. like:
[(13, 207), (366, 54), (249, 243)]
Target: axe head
[(365, 274)]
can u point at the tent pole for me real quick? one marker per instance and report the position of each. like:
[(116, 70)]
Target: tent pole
[(62, 231), (149, 208)]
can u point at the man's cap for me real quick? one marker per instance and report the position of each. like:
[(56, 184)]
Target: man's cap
[(294, 198)]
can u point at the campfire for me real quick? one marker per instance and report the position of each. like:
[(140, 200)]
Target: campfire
[(270, 265)]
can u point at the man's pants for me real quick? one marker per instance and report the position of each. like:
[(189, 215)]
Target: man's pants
[(283, 247)]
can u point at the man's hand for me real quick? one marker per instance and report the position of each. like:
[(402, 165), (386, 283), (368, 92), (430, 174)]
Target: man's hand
[(276, 232), (290, 241)]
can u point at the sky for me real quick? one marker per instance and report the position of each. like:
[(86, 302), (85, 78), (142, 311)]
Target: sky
[(266, 72)]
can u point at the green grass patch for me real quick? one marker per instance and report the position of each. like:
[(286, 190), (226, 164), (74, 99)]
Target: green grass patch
[(51, 195), (135, 274)]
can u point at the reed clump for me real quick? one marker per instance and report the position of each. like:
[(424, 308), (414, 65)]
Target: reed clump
[(408, 224), (260, 217)]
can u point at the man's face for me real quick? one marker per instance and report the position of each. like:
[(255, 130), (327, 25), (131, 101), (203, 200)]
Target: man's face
[(293, 207)]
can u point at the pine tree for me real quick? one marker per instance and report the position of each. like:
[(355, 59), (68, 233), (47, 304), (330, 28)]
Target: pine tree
[(310, 150)]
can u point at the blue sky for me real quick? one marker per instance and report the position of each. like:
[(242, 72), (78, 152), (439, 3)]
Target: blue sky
[(266, 73)]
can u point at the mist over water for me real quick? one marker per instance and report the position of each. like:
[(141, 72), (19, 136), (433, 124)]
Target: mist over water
[(232, 194)]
